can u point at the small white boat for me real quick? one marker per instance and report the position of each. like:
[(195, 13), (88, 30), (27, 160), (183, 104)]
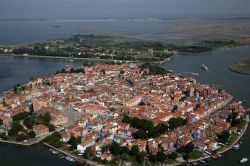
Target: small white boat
[(243, 160), (203, 67), (69, 158), (55, 152), (61, 156), (203, 162), (236, 146), (195, 74)]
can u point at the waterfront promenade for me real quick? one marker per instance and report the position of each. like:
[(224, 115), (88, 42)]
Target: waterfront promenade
[(28, 143), (76, 158)]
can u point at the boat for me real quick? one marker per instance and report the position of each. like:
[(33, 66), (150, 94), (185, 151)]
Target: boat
[(236, 146), (55, 152), (194, 163), (243, 160), (203, 67), (195, 74), (69, 158), (203, 162), (61, 156)]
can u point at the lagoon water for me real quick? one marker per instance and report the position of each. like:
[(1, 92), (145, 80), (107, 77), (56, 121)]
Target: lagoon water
[(29, 31), (18, 70)]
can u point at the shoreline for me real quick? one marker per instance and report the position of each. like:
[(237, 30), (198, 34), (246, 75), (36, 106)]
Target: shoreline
[(77, 159), (72, 58), (238, 71), (28, 143), (93, 163)]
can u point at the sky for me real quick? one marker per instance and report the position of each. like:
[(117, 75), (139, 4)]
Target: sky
[(121, 8)]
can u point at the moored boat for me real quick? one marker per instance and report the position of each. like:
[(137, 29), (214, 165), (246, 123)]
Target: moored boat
[(55, 152), (243, 160), (204, 67), (236, 146), (69, 158)]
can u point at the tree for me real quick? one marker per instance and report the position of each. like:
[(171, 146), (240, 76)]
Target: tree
[(3, 136), (20, 116), (88, 153), (15, 128), (127, 119), (176, 122), (134, 150), (125, 149), (28, 122), (21, 137), (141, 156), (32, 134), (189, 147), (173, 156), (47, 117), (152, 133), (161, 156), (224, 136), (50, 126), (74, 142), (57, 144), (139, 134), (54, 139), (115, 148)]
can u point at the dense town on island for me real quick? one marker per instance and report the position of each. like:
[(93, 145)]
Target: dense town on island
[(128, 110)]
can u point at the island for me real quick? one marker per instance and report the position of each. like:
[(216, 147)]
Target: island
[(130, 113), (110, 48), (241, 66)]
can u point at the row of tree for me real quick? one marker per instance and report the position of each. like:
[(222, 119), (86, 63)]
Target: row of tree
[(147, 129), (54, 140), (71, 70), (153, 69)]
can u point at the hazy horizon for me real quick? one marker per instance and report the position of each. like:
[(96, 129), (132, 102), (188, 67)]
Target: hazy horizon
[(80, 9)]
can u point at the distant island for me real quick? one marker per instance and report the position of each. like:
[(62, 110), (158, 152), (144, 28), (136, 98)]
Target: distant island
[(115, 48), (241, 66)]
